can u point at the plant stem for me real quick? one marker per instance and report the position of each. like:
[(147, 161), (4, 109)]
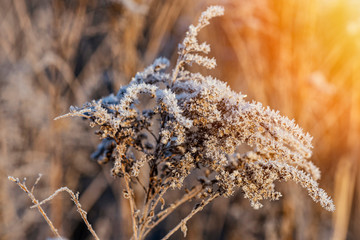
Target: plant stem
[(191, 214), (36, 202), (132, 206), (179, 63), (166, 212)]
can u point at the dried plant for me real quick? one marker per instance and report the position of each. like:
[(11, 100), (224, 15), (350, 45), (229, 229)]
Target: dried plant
[(37, 204), (177, 123), (30, 193)]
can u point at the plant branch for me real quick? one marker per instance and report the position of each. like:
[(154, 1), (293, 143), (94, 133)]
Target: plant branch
[(75, 198), (130, 197), (196, 209), (166, 212), (36, 202)]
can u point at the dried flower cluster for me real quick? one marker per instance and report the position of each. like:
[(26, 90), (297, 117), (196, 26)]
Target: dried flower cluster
[(181, 121)]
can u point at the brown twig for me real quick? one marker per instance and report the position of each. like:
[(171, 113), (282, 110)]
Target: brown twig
[(75, 198), (196, 209), (36, 202), (147, 213), (166, 212), (130, 197)]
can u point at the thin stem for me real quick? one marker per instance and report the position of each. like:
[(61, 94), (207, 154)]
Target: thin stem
[(36, 182), (166, 212), (82, 213), (132, 205), (75, 199), (141, 184), (161, 194), (36, 202), (179, 63), (152, 205), (167, 158), (152, 134), (191, 214), (153, 164)]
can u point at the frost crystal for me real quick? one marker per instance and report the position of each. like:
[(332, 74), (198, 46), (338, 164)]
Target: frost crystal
[(198, 122)]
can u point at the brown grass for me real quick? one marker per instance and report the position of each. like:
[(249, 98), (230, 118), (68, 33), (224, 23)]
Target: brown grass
[(300, 57)]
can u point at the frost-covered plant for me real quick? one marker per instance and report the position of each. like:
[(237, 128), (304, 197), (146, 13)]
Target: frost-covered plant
[(178, 122)]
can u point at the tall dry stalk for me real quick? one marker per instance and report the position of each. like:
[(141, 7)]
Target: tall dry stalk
[(195, 122)]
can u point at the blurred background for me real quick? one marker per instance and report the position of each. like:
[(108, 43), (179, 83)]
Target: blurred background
[(301, 57)]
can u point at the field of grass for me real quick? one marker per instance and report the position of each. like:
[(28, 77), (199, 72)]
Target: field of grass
[(299, 57)]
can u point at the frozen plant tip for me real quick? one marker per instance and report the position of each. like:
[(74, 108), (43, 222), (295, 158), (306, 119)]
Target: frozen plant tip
[(181, 121)]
